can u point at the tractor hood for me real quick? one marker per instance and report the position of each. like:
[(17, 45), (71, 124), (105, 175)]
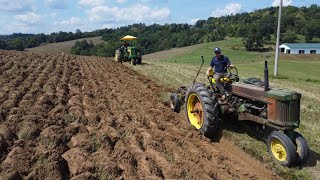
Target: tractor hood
[(283, 94)]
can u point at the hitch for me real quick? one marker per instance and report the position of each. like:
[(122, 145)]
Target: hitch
[(199, 69)]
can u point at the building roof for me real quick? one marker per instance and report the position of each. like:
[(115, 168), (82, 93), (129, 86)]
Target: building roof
[(302, 45)]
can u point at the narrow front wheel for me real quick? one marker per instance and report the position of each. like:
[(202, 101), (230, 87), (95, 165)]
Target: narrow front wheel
[(133, 62), (281, 148), (302, 148)]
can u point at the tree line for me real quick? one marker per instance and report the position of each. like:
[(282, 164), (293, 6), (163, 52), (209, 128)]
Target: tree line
[(19, 41), (255, 28)]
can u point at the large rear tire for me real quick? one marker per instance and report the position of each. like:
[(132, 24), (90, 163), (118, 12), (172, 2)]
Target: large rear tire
[(118, 56), (139, 60), (281, 148), (202, 110)]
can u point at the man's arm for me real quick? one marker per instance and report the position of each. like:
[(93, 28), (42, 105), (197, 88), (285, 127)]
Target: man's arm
[(229, 63), (210, 68)]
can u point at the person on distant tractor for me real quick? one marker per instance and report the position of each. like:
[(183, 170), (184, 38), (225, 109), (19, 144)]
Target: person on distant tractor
[(125, 46), (220, 64)]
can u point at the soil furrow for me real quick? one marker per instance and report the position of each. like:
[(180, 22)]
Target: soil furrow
[(77, 117)]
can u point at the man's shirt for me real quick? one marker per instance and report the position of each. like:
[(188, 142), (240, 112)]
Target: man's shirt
[(220, 64)]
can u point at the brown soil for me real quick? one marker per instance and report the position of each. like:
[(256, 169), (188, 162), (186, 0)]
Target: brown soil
[(73, 117)]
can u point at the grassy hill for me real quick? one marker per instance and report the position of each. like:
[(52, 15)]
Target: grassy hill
[(297, 72), (58, 48)]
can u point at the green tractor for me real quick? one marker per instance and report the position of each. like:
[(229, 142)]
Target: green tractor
[(128, 52), (250, 100)]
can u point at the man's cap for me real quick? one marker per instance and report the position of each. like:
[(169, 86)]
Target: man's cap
[(217, 49)]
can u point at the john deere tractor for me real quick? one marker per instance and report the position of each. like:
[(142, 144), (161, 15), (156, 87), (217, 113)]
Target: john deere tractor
[(128, 52), (249, 100)]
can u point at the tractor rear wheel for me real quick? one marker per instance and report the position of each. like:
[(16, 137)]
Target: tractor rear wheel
[(281, 148), (118, 56), (175, 102), (139, 61), (301, 147), (202, 110)]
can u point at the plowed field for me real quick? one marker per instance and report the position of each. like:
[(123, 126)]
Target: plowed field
[(73, 117)]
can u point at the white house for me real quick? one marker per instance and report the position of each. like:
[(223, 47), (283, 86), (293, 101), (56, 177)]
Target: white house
[(300, 48)]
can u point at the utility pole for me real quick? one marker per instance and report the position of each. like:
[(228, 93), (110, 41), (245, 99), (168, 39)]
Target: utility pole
[(278, 39)]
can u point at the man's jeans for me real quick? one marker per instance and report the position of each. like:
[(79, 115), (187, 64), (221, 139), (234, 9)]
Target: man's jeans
[(217, 77)]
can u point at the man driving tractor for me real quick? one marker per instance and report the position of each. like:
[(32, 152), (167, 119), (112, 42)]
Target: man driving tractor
[(220, 64)]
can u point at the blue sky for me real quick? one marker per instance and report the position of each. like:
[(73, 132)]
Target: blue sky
[(34, 16)]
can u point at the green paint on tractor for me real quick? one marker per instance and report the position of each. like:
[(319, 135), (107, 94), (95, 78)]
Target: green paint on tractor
[(283, 95)]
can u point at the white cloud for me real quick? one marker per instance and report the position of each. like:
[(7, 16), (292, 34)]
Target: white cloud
[(121, 1), (193, 21), (24, 23), (135, 13), (108, 26), (17, 5), (57, 4), (146, 1), (73, 21), (53, 15), (92, 2), (285, 3), (28, 19), (70, 24), (232, 8)]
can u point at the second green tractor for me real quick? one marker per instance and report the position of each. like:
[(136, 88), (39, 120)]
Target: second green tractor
[(128, 52)]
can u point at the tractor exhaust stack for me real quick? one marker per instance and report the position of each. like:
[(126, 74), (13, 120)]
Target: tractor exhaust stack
[(266, 76)]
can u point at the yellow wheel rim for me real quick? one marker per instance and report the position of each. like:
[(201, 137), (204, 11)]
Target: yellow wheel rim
[(195, 111), (278, 150)]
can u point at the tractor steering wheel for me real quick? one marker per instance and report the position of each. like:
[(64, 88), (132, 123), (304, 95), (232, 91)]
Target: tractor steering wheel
[(233, 73)]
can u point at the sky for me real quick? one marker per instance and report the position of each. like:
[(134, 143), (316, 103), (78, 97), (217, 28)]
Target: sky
[(47, 16)]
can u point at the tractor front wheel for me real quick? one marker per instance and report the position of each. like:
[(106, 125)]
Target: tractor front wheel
[(202, 110), (302, 148), (133, 62), (281, 148)]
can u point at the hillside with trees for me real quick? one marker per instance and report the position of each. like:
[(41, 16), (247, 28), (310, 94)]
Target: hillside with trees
[(255, 28)]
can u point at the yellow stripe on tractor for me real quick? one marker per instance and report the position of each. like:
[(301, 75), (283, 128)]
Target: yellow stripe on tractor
[(211, 73)]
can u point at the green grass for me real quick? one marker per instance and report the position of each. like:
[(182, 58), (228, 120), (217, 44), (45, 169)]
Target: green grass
[(300, 73), (65, 47)]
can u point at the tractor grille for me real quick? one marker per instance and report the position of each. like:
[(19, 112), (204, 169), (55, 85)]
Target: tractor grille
[(288, 111), (295, 111), (282, 111)]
